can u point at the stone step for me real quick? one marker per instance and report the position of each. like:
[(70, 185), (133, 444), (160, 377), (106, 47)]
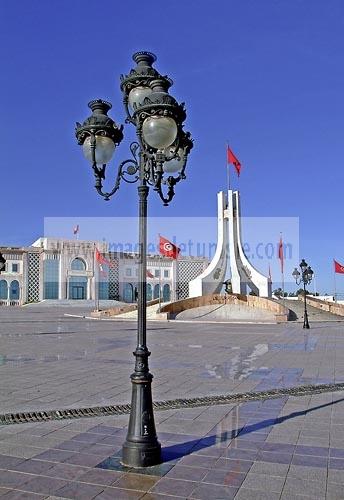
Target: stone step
[(314, 314)]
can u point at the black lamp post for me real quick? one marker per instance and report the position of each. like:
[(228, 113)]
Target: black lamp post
[(158, 160), (304, 277)]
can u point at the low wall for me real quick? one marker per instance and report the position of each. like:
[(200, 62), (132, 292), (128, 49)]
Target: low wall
[(170, 311), (115, 311), (325, 305)]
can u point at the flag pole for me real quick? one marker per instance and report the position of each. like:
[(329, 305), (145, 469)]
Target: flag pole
[(281, 257), (95, 278), (160, 286), (227, 168), (314, 285), (177, 278), (159, 236), (334, 282), (177, 283)]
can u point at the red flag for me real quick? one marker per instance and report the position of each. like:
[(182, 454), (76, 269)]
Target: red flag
[(100, 258), (231, 158), (76, 229), (338, 268), (281, 254), (149, 274), (167, 248)]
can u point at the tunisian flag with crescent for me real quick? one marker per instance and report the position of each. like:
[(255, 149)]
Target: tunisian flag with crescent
[(231, 158), (167, 248), (338, 268)]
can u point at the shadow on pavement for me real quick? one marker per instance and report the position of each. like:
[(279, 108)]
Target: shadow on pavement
[(180, 450)]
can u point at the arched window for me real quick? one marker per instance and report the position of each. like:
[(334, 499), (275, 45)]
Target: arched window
[(149, 291), (156, 292), (14, 290), (78, 265), (3, 290), (128, 292), (166, 293)]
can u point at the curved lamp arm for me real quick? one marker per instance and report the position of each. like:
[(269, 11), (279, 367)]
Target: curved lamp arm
[(128, 171)]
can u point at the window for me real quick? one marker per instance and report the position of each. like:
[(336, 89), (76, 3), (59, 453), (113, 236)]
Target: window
[(157, 273), (166, 273), (129, 292), (128, 271), (14, 290), (156, 292), (166, 293), (15, 268), (3, 290), (78, 265), (51, 279), (103, 290)]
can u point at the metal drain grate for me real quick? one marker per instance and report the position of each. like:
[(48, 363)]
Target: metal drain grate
[(101, 411)]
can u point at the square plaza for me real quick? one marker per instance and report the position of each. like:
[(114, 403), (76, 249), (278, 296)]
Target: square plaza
[(53, 358)]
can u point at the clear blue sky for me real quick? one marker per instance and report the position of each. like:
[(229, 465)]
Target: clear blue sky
[(266, 75)]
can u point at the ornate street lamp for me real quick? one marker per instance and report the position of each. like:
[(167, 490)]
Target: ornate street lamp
[(158, 160), (304, 277)]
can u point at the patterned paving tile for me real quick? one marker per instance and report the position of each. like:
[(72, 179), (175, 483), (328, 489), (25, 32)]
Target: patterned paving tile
[(189, 473), (79, 491), (34, 466), (7, 462), (10, 479), (133, 481), (43, 485), (174, 487), (113, 493), (66, 471), (313, 489), (263, 482), (309, 460), (100, 476), (336, 463), (206, 491), (224, 477), (274, 457)]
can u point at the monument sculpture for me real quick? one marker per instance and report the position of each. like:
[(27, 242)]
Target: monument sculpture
[(229, 252)]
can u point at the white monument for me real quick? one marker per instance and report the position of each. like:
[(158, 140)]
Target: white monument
[(229, 249)]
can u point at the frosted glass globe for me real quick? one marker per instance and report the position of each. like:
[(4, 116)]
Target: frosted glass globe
[(172, 166), (137, 96), (104, 149), (159, 131)]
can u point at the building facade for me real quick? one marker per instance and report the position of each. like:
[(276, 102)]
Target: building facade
[(58, 269)]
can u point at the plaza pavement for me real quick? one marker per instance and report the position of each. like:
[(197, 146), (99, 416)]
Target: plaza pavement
[(288, 448)]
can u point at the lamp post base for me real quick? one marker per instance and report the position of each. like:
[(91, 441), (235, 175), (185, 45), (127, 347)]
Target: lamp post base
[(141, 454), (141, 448)]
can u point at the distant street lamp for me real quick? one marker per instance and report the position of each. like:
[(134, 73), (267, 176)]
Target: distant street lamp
[(304, 277), (158, 160)]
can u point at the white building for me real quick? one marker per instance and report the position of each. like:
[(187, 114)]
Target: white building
[(59, 269)]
